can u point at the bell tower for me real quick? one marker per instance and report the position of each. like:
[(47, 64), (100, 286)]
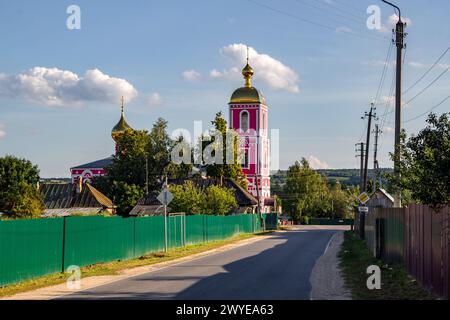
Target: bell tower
[(248, 115)]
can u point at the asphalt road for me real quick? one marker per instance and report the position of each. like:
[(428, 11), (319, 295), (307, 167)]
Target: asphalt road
[(278, 267)]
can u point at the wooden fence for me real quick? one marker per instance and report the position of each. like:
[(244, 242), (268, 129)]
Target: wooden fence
[(416, 236)]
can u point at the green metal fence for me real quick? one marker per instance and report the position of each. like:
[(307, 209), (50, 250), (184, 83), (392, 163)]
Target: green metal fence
[(32, 248)]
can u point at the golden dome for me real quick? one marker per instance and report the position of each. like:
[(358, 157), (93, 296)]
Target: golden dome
[(120, 127), (247, 93)]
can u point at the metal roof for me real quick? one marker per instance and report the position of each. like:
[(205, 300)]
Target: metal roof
[(63, 196), (103, 163), (242, 196)]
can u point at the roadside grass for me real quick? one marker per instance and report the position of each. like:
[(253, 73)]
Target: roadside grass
[(114, 267), (396, 283)]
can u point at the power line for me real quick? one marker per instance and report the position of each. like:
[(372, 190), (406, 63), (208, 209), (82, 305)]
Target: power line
[(324, 10), (428, 111), (383, 74), (288, 14), (428, 71), (428, 86), (342, 10)]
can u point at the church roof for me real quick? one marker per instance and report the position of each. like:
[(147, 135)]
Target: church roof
[(247, 93), (121, 126), (102, 163)]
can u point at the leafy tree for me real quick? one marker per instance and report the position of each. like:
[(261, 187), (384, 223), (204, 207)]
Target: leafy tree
[(140, 152), (425, 163), (126, 196), (187, 198), (218, 200), (19, 195), (224, 169), (305, 192)]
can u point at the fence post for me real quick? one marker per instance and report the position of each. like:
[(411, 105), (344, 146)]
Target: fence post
[(63, 245)]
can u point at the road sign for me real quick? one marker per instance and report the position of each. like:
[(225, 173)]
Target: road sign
[(363, 209), (165, 197), (363, 198)]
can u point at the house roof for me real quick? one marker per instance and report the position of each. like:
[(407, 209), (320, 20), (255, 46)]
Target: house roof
[(103, 163), (242, 196), (63, 196), (386, 194)]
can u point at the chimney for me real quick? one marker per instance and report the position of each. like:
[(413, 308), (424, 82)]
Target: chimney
[(78, 187)]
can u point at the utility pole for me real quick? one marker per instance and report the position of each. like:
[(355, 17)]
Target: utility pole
[(361, 169), (399, 37), (376, 167), (369, 115)]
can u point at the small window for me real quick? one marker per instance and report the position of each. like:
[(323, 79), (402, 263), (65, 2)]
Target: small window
[(244, 121), (245, 164)]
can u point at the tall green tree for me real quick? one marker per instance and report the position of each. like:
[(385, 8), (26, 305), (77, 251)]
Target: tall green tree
[(187, 198), (19, 194), (305, 192), (218, 200), (425, 163), (228, 146), (142, 159)]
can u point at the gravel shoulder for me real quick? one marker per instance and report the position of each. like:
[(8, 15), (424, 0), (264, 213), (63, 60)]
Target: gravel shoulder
[(326, 277)]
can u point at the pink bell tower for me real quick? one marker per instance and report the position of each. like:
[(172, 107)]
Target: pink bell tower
[(249, 118)]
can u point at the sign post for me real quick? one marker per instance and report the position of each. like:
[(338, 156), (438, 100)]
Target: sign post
[(165, 197)]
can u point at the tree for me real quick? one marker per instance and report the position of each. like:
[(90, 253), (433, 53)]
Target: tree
[(425, 163), (142, 158), (224, 169), (218, 200), (305, 192), (187, 198), (19, 195), (126, 196)]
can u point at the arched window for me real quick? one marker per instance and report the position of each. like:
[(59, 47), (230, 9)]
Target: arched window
[(244, 121)]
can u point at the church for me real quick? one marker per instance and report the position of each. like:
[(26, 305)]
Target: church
[(248, 116)]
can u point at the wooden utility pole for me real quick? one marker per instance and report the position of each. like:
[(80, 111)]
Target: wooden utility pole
[(399, 37), (369, 115), (361, 169), (376, 167)]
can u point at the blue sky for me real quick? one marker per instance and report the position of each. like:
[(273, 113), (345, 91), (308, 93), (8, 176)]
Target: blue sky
[(318, 80)]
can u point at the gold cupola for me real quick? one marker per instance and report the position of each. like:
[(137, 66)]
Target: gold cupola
[(247, 93), (121, 126)]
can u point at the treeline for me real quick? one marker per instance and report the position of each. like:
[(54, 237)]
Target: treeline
[(307, 193)]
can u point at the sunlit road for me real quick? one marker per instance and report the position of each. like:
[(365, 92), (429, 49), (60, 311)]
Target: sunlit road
[(277, 267)]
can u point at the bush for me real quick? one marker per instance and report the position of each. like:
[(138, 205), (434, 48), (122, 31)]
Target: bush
[(304, 220)]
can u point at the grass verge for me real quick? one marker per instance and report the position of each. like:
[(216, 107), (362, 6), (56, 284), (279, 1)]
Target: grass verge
[(114, 267), (396, 283)]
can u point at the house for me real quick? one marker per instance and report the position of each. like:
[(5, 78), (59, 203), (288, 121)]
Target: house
[(381, 199), (65, 199), (149, 204)]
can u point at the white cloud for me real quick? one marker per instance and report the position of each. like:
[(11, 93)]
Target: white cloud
[(191, 75), (415, 64), (379, 63), (388, 130), (344, 30), (61, 88), (2, 132), (392, 21), (387, 101), (154, 99), (315, 163), (268, 70)]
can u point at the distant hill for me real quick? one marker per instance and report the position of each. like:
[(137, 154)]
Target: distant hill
[(348, 177)]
